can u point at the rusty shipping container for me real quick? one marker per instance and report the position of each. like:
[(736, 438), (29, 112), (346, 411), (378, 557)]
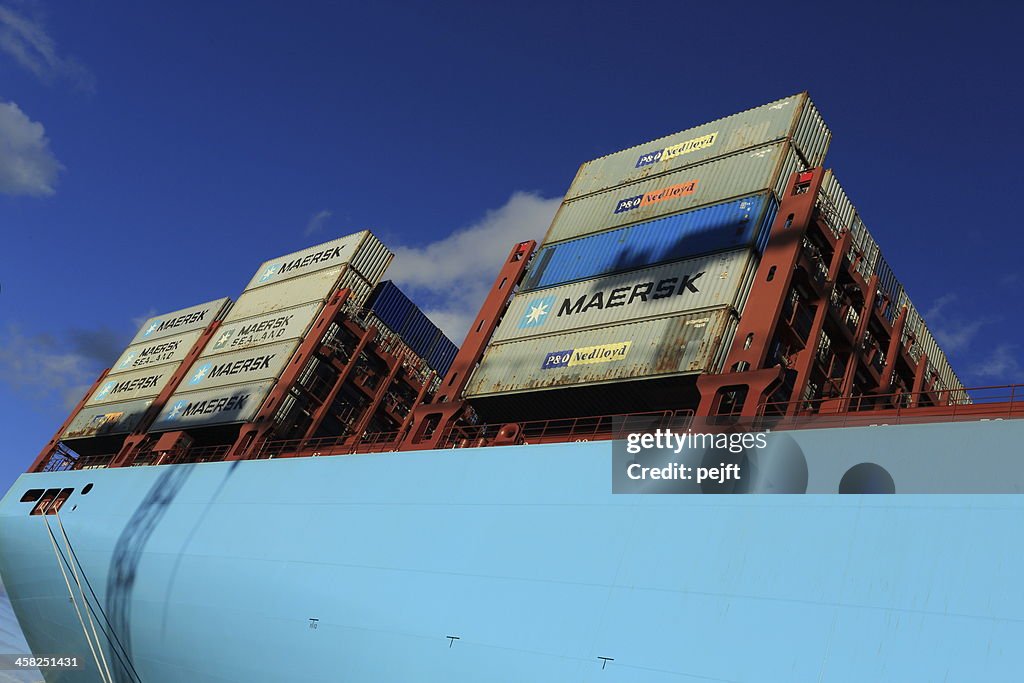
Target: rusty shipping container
[(670, 289), (766, 168), (361, 251), (661, 347), (107, 419), (178, 322), (222, 405), (794, 118)]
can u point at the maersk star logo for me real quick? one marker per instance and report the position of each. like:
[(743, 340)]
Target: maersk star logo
[(151, 329), (105, 390), (537, 312), (127, 360), (175, 410), (270, 272), (223, 339), (201, 373)]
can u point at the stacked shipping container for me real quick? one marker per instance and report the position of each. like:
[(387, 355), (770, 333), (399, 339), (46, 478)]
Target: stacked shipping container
[(234, 374), (393, 309), (867, 258), (143, 371), (651, 255)]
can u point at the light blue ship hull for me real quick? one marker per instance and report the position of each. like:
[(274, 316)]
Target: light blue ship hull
[(213, 572)]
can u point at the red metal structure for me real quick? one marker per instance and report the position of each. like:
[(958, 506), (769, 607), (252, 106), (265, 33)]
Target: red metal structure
[(813, 348)]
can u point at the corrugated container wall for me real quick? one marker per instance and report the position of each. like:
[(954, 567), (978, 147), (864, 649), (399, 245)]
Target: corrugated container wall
[(863, 245), (403, 317), (316, 286), (729, 225), (362, 251), (677, 345), (224, 405), (239, 367), (143, 370), (763, 169), (278, 326), (835, 204), (130, 386), (158, 352), (178, 322), (109, 419), (888, 283), (667, 290), (793, 117)]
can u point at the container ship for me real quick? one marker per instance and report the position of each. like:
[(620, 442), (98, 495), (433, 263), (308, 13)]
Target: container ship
[(313, 483)]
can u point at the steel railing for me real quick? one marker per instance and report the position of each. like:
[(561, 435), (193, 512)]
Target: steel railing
[(978, 403), (594, 428)]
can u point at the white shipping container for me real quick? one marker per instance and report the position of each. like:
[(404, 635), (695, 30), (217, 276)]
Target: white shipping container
[(129, 386), (795, 118), (153, 353), (178, 322), (676, 345), (294, 292), (239, 367), (270, 328), (745, 173), (362, 251), (223, 405), (670, 289)]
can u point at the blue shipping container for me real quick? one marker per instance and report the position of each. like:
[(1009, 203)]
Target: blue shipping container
[(729, 225), (393, 308), (888, 283), (390, 305), (442, 355)]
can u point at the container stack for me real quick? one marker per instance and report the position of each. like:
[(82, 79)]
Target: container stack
[(651, 256), (392, 309), (867, 258), (142, 371), (231, 378)]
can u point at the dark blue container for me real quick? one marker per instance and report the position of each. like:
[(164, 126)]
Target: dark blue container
[(393, 308), (442, 355), (729, 225), (888, 283)]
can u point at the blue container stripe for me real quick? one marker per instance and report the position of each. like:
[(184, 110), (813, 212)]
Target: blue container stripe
[(766, 224), (729, 225)]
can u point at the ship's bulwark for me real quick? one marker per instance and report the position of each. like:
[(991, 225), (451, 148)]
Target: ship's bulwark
[(213, 572)]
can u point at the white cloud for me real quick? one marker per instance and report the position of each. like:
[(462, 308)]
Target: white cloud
[(450, 278), (27, 166), (1003, 362), (38, 367), (25, 39), (953, 333), (137, 321), (316, 222)]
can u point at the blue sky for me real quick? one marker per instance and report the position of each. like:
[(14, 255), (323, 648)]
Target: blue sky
[(152, 156)]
